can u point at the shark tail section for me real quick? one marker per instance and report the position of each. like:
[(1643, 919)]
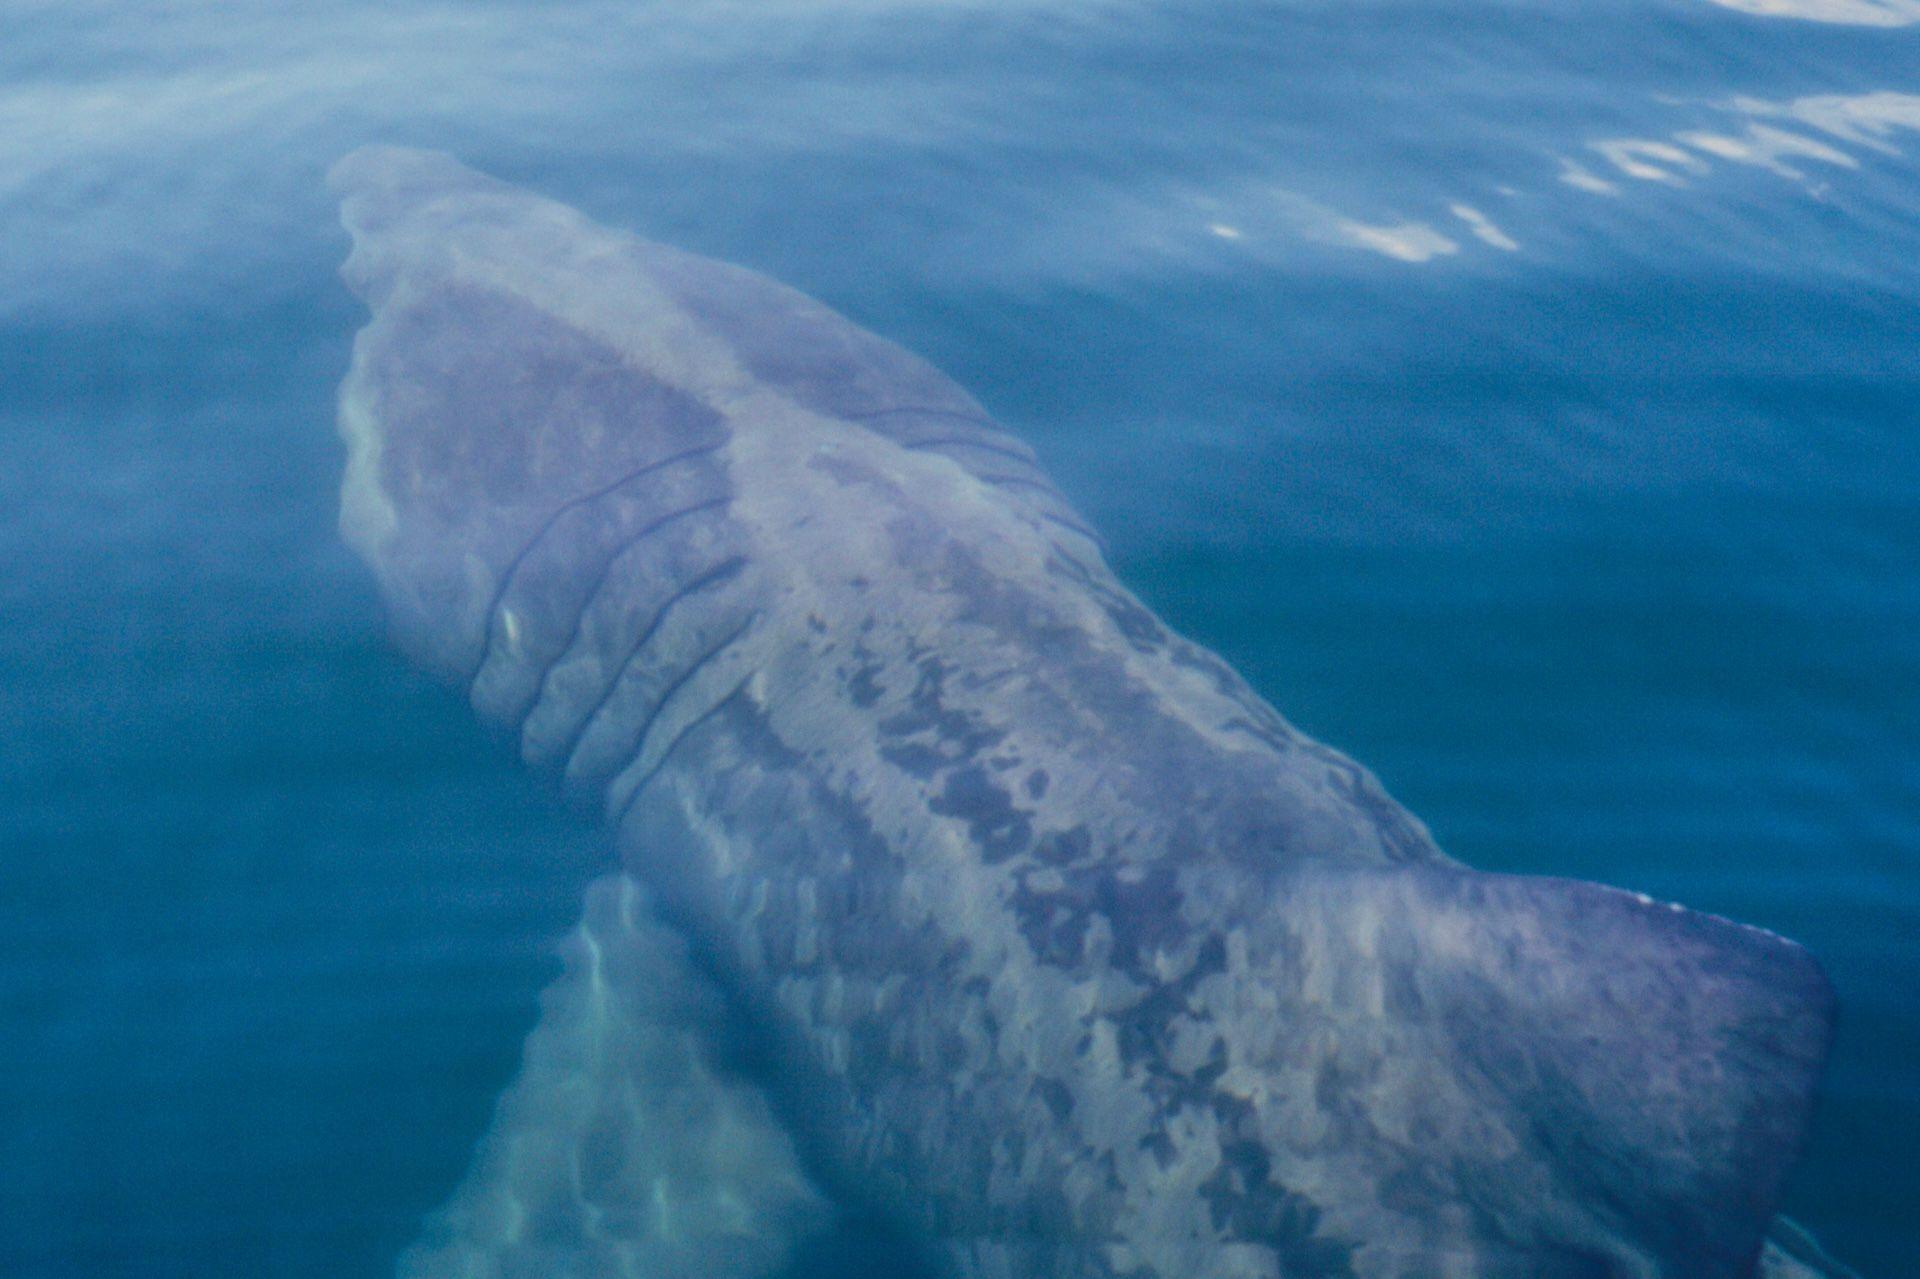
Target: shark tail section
[(1655, 1067)]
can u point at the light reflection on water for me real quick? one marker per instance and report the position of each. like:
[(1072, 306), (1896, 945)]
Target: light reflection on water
[(1524, 399)]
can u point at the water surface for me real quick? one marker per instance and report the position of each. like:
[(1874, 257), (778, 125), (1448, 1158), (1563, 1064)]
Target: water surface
[(1525, 397)]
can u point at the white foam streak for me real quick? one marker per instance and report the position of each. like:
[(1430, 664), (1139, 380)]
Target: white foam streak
[(1404, 242), (1864, 119), (1649, 159), (1261, 220), (1851, 13), (1483, 228), (1780, 137), (1768, 148), (1581, 178)]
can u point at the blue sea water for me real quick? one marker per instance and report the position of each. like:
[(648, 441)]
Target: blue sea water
[(1524, 396)]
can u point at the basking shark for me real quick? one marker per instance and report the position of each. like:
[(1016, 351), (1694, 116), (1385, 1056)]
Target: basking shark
[(1064, 953)]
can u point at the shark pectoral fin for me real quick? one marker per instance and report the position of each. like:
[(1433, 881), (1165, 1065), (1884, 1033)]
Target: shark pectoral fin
[(1651, 1069), (1793, 1253), (621, 1150)]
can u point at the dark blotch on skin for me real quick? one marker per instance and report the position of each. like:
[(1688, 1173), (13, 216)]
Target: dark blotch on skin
[(1053, 927), (861, 685), (914, 758), (1146, 1029), (1058, 1099), (997, 827), (1064, 848), (1160, 1146), (957, 735), (1143, 907), (1141, 628), (1246, 1204)]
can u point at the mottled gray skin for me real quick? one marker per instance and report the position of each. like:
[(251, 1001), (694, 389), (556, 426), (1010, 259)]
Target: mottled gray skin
[(1081, 962)]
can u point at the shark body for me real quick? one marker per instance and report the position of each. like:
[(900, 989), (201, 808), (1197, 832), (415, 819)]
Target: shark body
[(1076, 959)]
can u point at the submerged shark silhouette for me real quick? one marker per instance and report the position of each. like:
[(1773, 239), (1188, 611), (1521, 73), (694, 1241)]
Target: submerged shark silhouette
[(1074, 959)]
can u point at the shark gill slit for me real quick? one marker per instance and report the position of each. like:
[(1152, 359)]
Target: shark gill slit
[(984, 432), (722, 572), (546, 526), (1046, 490), (941, 442), (640, 785), (599, 586), (623, 806), (913, 410)]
